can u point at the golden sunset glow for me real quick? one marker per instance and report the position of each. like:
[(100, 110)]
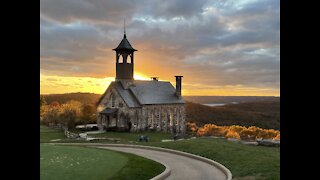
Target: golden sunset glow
[(65, 84), (140, 76), (61, 84)]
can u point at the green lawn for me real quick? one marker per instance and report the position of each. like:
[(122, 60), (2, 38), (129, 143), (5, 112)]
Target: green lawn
[(82, 163), (47, 134), (127, 137), (244, 161)]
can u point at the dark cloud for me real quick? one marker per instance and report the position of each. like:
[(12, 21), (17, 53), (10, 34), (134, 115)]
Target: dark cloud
[(94, 11), (174, 8), (211, 42)]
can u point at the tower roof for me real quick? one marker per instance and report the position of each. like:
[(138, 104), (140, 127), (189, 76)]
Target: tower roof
[(125, 45)]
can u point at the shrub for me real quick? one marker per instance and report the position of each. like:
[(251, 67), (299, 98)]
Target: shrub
[(238, 132), (233, 134), (192, 128), (277, 137), (236, 128), (212, 130)]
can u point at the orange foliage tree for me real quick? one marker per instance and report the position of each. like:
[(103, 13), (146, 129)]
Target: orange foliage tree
[(192, 128), (238, 132)]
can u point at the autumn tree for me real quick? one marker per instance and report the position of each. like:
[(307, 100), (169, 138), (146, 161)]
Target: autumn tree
[(42, 104), (55, 104), (88, 113), (70, 113), (42, 101), (49, 115), (68, 118)]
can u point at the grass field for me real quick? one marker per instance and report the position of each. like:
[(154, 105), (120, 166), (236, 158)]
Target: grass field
[(244, 161), (47, 134), (126, 137), (80, 163)]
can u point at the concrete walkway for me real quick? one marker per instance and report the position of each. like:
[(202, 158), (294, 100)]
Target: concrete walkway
[(182, 167)]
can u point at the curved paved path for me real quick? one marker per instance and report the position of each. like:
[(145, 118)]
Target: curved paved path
[(182, 167)]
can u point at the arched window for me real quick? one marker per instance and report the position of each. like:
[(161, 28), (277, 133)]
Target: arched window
[(120, 58), (129, 60), (112, 99), (171, 118)]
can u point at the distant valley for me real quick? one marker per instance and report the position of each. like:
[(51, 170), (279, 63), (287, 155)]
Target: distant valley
[(261, 111), (230, 99)]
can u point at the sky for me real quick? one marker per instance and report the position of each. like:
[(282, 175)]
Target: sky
[(221, 47)]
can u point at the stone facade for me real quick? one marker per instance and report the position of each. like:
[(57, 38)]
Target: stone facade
[(162, 117)]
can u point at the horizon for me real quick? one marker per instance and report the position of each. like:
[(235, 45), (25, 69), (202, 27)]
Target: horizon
[(182, 95)]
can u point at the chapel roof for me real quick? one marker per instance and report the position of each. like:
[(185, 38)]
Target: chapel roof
[(136, 93)]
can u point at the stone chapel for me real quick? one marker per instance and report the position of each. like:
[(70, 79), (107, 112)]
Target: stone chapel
[(140, 105)]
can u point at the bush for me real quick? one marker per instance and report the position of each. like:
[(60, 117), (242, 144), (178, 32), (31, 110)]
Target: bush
[(212, 130), (277, 137), (238, 132), (233, 134), (236, 128), (192, 128)]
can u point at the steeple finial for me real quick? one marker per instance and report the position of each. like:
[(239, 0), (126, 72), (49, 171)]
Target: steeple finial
[(124, 28)]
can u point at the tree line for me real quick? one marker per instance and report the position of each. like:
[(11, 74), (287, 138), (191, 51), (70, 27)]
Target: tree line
[(68, 114)]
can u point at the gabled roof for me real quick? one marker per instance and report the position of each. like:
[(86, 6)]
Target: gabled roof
[(136, 93), (126, 95), (125, 45), (155, 92)]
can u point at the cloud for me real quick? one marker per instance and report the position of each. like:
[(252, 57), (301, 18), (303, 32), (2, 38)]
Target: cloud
[(220, 43), (94, 11)]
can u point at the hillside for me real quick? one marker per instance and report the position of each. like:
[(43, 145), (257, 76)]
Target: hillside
[(264, 114), (229, 99), (90, 98)]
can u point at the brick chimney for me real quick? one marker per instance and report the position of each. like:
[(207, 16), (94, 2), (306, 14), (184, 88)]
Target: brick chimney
[(155, 78), (178, 86)]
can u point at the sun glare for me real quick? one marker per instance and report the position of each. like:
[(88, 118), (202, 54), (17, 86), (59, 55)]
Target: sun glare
[(140, 76)]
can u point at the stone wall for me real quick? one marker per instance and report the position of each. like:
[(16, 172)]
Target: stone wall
[(164, 117)]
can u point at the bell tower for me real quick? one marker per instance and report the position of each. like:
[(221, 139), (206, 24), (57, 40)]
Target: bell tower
[(124, 59)]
